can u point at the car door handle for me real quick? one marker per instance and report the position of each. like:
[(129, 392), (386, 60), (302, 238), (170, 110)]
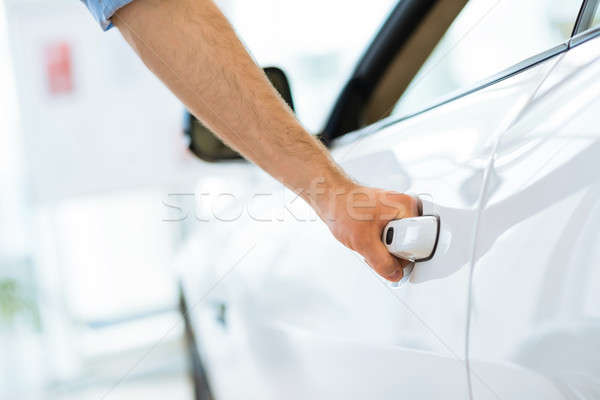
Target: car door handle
[(413, 239)]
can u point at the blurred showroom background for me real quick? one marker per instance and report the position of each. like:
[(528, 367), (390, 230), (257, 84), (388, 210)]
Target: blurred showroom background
[(91, 144)]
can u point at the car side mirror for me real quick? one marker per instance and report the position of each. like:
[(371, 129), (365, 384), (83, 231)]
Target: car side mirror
[(207, 146)]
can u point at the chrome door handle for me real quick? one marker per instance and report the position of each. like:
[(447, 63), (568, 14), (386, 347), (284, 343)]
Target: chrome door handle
[(413, 239)]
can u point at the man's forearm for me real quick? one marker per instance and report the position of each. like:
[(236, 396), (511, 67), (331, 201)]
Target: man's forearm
[(192, 48)]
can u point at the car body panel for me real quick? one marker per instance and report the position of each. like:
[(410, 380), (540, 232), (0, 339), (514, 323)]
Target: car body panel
[(536, 282), (306, 317)]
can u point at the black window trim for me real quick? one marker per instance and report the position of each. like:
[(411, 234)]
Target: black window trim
[(575, 39), (401, 23)]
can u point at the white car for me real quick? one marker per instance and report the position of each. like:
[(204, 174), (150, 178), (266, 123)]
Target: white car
[(509, 305)]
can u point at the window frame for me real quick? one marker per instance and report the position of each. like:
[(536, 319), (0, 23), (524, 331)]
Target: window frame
[(578, 36), (396, 30), (582, 32)]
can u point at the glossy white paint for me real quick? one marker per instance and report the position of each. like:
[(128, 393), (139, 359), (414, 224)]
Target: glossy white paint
[(293, 314), (512, 172), (535, 328)]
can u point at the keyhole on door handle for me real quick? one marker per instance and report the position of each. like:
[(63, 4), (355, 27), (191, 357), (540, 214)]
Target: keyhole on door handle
[(413, 239)]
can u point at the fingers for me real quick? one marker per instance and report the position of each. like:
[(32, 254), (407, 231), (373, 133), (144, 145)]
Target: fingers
[(399, 205), (383, 262), (359, 226)]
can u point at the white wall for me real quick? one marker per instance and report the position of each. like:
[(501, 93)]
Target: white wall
[(119, 127), (12, 230), (96, 162)]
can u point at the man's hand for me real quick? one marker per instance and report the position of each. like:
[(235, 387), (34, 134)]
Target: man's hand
[(192, 48), (357, 215)]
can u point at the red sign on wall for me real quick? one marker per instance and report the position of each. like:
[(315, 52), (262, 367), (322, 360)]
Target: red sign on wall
[(59, 68)]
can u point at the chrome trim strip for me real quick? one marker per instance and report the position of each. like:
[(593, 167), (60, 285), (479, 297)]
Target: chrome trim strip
[(584, 18), (507, 73), (584, 37)]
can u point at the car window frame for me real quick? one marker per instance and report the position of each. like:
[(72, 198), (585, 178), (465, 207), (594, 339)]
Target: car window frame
[(582, 32), (396, 30), (575, 39)]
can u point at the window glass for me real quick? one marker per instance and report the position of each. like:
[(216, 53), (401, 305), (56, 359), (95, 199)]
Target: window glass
[(487, 37), (591, 17), (317, 43), (596, 19)]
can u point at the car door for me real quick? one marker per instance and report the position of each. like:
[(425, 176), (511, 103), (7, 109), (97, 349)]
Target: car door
[(300, 316), (535, 315), (307, 318), (296, 314)]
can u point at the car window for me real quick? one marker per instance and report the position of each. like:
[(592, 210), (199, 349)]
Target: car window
[(317, 43), (487, 37), (596, 18), (590, 17)]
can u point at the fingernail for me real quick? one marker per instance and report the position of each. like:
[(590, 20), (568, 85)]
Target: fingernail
[(396, 275)]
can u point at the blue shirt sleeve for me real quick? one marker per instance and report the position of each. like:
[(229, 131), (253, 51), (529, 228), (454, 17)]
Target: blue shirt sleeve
[(103, 10)]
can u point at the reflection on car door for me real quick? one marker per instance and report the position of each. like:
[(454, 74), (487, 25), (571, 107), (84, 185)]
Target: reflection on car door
[(536, 281)]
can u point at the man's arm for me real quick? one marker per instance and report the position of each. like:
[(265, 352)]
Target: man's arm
[(192, 48)]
